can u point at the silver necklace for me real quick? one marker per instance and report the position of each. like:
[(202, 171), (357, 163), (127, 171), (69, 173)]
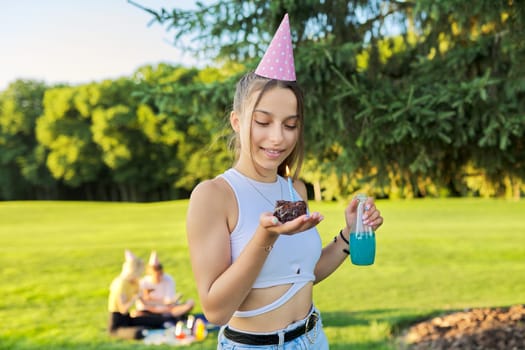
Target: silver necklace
[(262, 195)]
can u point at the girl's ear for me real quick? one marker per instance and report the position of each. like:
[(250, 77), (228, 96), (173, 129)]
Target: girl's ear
[(235, 122)]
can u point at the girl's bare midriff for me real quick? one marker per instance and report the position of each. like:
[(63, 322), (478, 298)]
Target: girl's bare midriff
[(293, 310)]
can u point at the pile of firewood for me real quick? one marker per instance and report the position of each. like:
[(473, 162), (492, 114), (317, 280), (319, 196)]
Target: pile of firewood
[(475, 329)]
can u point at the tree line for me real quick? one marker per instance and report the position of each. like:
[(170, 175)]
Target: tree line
[(403, 99), (105, 140)]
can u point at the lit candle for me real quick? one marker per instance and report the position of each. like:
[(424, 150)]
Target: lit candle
[(290, 185)]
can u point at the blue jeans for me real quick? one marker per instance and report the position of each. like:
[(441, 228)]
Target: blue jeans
[(315, 339)]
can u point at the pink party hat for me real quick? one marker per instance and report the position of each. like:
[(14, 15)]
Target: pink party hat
[(277, 62), (154, 259)]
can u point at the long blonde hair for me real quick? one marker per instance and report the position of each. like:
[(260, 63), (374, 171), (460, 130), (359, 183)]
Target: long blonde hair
[(251, 83)]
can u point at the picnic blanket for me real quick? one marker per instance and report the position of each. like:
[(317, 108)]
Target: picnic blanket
[(195, 329)]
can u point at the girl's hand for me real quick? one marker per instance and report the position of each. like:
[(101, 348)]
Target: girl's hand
[(299, 224), (372, 217)]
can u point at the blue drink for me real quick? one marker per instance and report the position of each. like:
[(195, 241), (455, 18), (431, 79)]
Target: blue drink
[(362, 248)]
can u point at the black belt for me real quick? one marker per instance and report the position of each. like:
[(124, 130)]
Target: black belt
[(271, 339)]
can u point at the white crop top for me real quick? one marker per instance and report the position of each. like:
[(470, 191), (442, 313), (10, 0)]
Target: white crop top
[(292, 259)]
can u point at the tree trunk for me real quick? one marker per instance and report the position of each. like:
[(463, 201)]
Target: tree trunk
[(317, 191)]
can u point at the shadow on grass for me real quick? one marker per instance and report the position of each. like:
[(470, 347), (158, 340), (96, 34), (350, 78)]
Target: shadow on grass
[(103, 343), (398, 319)]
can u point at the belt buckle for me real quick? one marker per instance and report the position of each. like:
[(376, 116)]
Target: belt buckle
[(314, 317)]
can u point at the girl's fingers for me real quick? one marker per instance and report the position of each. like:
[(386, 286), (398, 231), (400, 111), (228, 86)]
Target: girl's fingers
[(302, 223), (267, 220), (375, 220)]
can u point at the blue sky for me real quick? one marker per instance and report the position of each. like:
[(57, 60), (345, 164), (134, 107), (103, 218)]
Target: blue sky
[(81, 41)]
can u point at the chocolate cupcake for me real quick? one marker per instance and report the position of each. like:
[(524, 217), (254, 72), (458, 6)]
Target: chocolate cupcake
[(286, 210)]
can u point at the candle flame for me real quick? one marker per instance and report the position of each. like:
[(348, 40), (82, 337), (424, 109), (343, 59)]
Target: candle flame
[(287, 171)]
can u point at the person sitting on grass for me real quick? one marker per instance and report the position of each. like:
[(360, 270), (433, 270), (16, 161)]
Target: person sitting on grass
[(123, 293), (157, 290)]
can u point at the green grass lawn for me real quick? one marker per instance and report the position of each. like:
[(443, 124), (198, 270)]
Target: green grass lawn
[(435, 255)]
